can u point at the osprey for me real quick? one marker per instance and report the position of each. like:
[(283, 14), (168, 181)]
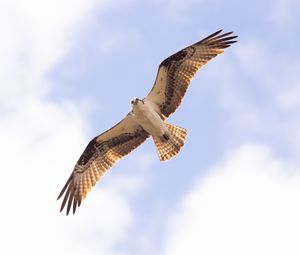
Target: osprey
[(147, 118)]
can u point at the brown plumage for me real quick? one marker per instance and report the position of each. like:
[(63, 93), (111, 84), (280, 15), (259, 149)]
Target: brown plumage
[(170, 146), (172, 80), (175, 72), (100, 155)]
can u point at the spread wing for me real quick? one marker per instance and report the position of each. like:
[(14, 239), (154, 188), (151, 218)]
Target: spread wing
[(175, 73), (100, 155)]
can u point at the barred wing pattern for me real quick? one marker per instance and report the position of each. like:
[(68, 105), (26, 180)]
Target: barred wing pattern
[(100, 155), (175, 73)]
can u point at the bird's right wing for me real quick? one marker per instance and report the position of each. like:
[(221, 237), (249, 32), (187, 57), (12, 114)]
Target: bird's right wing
[(100, 155), (175, 72)]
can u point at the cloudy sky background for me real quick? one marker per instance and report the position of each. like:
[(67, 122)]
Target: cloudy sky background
[(68, 70)]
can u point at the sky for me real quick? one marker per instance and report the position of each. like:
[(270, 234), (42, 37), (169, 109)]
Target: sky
[(68, 70)]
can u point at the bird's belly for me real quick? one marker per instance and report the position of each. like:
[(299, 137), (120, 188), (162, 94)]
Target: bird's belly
[(152, 123)]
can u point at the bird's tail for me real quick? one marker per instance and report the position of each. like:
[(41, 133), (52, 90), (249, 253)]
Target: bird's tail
[(169, 144)]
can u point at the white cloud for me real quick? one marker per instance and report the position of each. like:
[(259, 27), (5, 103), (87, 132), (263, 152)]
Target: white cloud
[(269, 73), (35, 35), (258, 88), (274, 70), (41, 139), (248, 204)]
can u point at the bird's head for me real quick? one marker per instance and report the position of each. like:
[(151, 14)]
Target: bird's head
[(135, 101)]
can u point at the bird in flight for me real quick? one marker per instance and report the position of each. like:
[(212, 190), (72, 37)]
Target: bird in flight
[(147, 118)]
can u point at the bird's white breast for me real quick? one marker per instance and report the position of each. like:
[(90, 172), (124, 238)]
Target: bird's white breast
[(149, 119)]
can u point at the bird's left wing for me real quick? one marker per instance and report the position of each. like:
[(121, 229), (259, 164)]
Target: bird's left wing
[(175, 72), (100, 155)]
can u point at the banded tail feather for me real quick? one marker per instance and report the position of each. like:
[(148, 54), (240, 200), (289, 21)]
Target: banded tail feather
[(170, 144)]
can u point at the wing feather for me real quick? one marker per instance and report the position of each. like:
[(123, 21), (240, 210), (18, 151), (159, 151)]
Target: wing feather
[(101, 154), (176, 72)]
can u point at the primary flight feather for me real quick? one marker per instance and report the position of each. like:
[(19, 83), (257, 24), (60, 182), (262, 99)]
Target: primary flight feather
[(147, 118)]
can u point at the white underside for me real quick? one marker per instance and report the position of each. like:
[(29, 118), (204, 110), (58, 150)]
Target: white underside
[(149, 119)]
